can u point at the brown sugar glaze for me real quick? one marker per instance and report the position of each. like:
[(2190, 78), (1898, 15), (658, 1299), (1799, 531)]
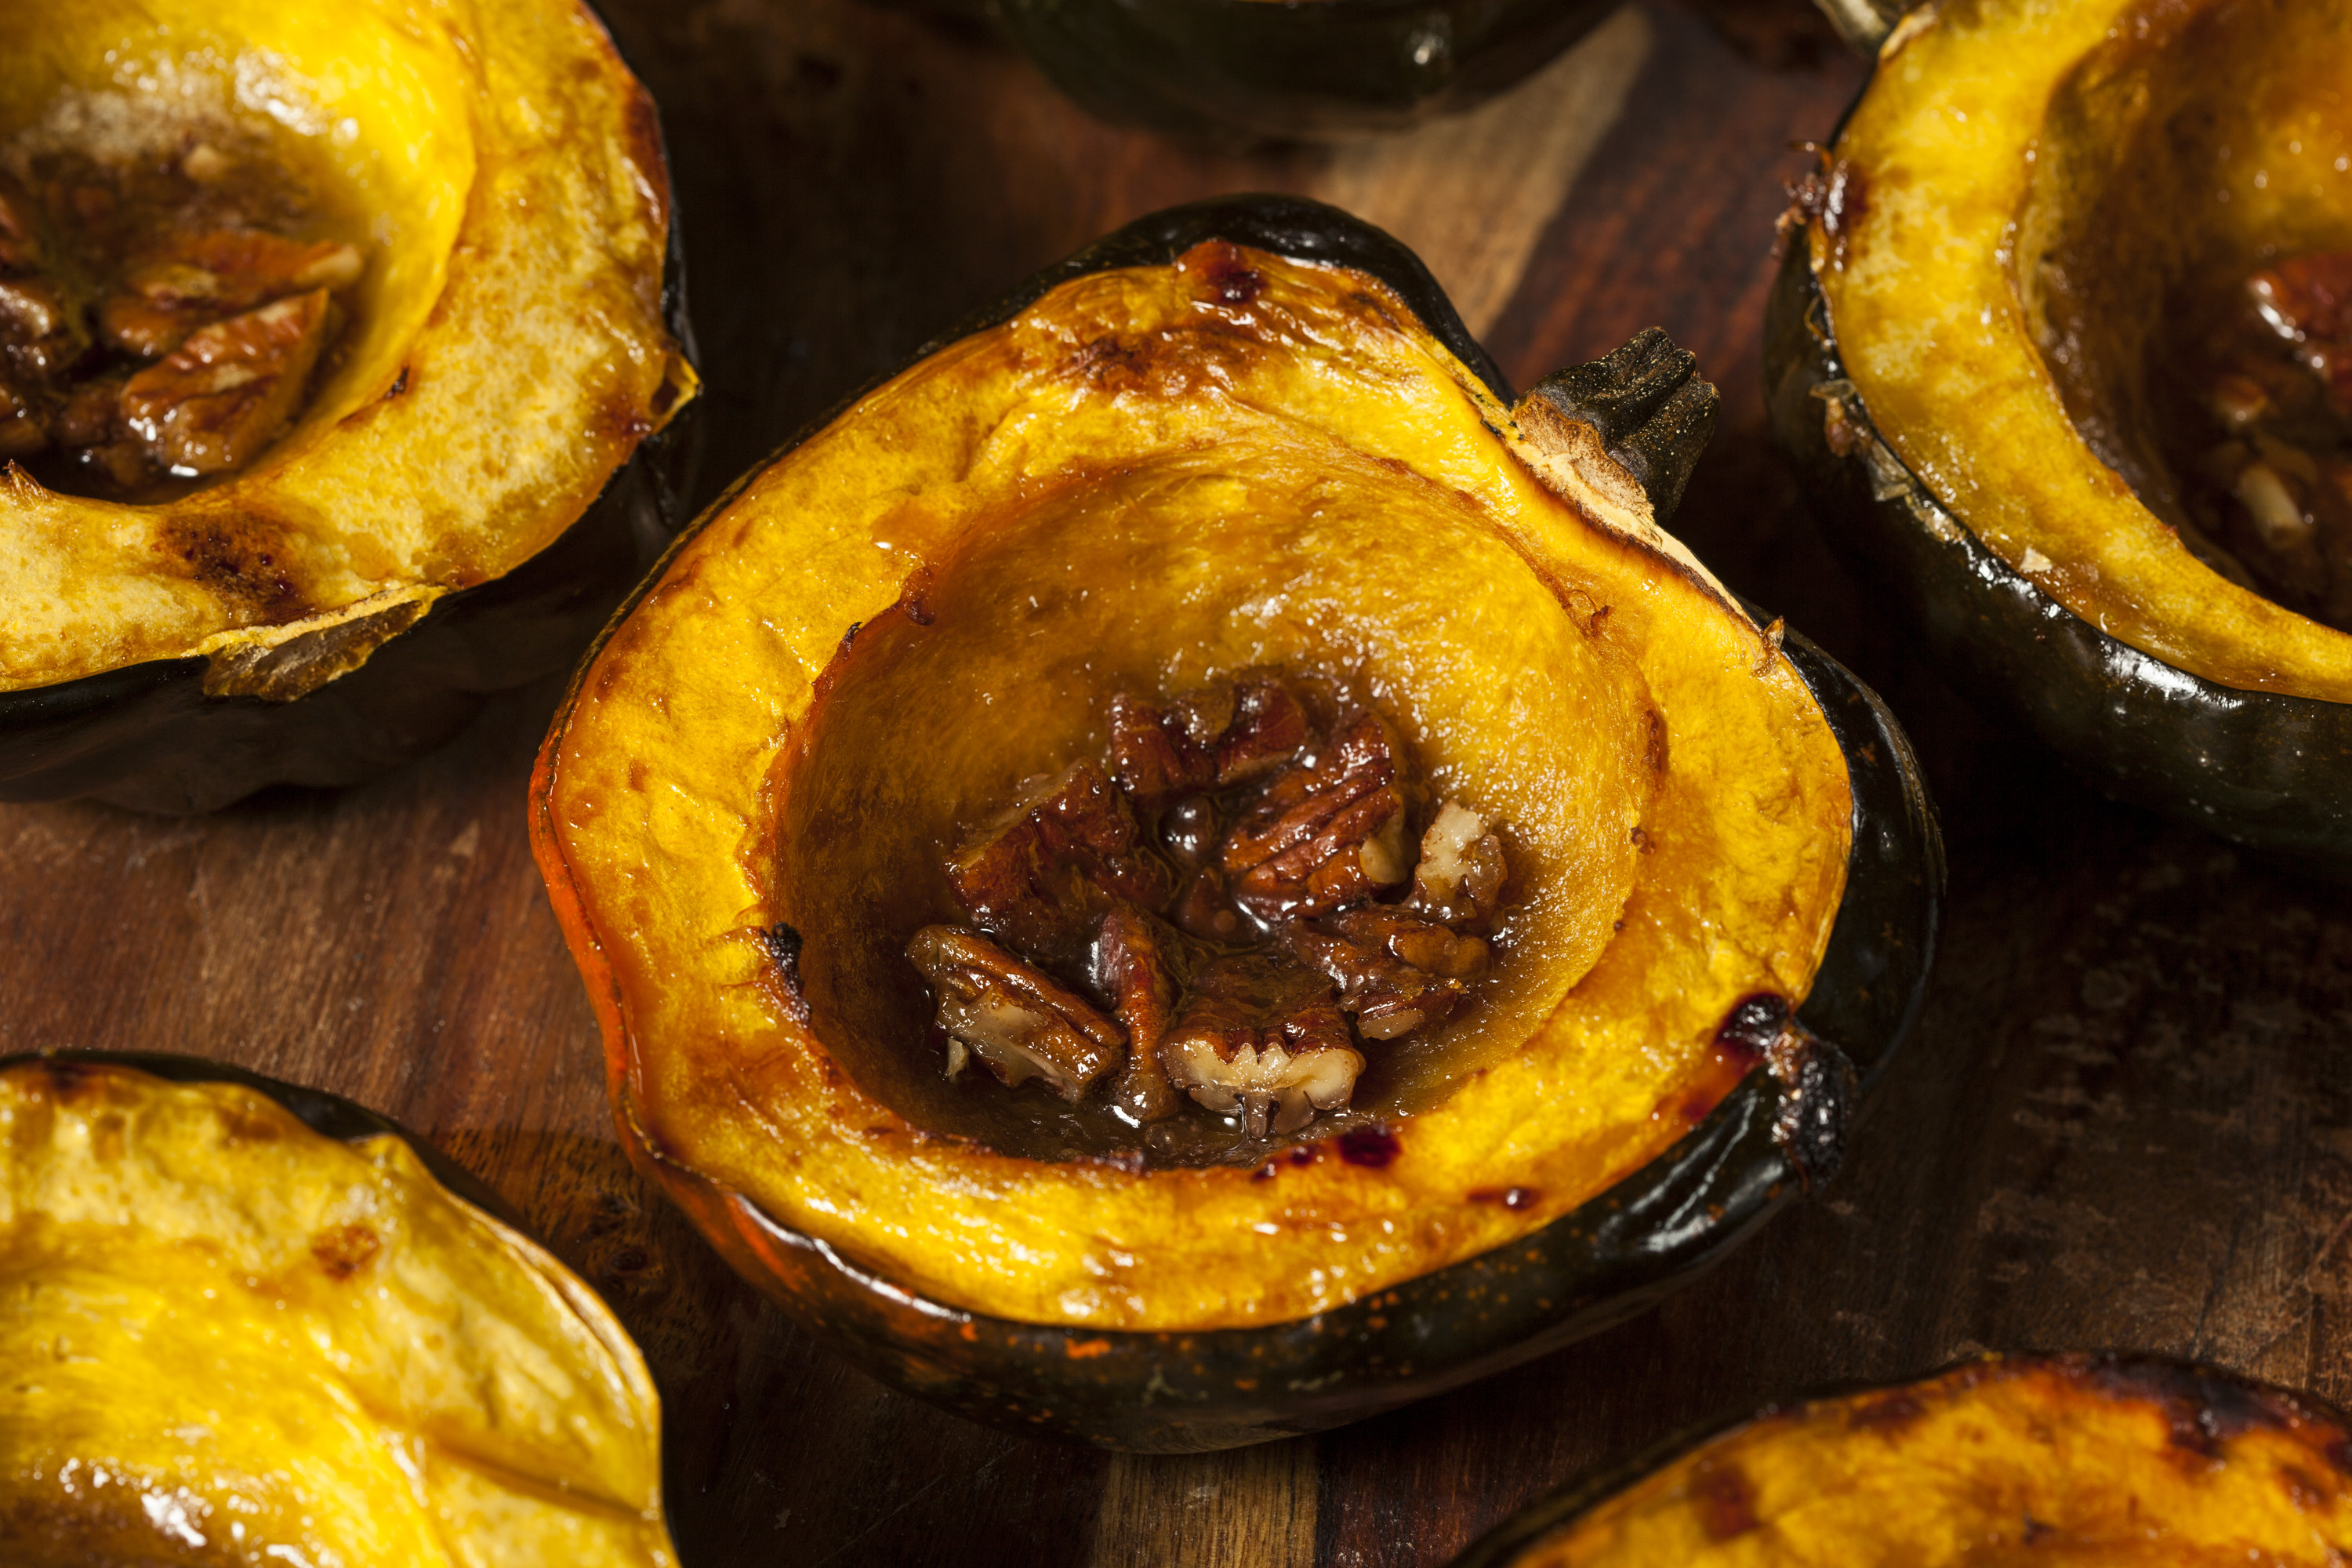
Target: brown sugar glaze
[(169, 299), (1206, 934)]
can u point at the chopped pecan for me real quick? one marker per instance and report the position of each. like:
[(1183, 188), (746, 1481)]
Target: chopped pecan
[(1460, 878), (1139, 963), (208, 277), (221, 396), (1020, 1021), (1396, 971), (1328, 831), (1043, 875), (41, 327), (1263, 1039), (1216, 737)]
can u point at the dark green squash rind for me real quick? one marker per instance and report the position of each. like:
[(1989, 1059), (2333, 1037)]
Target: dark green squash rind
[(1291, 68), (2203, 1399), (146, 737), (1612, 1257), (2265, 770)]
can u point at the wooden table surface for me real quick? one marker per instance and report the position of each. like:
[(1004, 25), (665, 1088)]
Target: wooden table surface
[(2126, 1119)]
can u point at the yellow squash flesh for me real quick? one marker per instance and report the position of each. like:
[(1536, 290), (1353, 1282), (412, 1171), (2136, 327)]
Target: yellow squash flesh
[(2009, 201), (1152, 478), (231, 1339), (2024, 1463), (507, 352)]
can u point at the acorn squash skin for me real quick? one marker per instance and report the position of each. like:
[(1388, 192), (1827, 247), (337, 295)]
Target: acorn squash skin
[(2267, 769), (553, 1455), (2170, 1462), (1615, 1255), (148, 736), (1330, 67)]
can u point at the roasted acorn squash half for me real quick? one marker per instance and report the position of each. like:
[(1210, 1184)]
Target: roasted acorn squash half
[(252, 1323), (1332, 67), (469, 486), (1979, 350), (1240, 434), (2074, 1459)]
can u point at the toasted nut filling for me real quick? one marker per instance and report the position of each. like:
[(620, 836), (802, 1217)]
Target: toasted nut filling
[(1222, 887), (2256, 409), (158, 325)]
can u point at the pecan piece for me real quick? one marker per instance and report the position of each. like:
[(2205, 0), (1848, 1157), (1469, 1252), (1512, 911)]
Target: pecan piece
[(1020, 1021), (1043, 875), (1328, 831), (1460, 878), (1219, 736), (221, 396), (1140, 964), (41, 327), (1264, 1038), (1396, 971), (2308, 302), (208, 277)]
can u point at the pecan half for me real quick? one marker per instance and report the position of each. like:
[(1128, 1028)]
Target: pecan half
[(1396, 971), (1328, 831), (1263, 1039), (1020, 1021), (208, 277), (1460, 878), (221, 396), (1211, 739), (1140, 964), (1041, 875)]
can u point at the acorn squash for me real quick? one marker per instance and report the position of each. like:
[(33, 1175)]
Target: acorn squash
[(2073, 1459), (1280, 68), (248, 1324), (465, 486), (1243, 435), (1991, 352)]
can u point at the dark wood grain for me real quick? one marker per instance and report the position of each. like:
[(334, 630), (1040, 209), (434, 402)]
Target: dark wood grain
[(2125, 1121)]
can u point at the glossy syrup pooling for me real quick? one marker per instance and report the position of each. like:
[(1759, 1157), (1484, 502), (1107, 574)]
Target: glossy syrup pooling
[(2257, 413), (170, 294), (1218, 919)]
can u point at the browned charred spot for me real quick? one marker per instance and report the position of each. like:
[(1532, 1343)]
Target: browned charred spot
[(1657, 743), (105, 1136), (1697, 1108), (1890, 1412), (1725, 1499), (1513, 1198), (70, 1081), (1224, 272), (782, 943), (236, 559), (914, 594), (618, 422), (1752, 1027), (2303, 1493), (1843, 204), (2203, 1411), (850, 636), (2033, 1529), (639, 775), (1375, 1148), (342, 1250), (399, 385)]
